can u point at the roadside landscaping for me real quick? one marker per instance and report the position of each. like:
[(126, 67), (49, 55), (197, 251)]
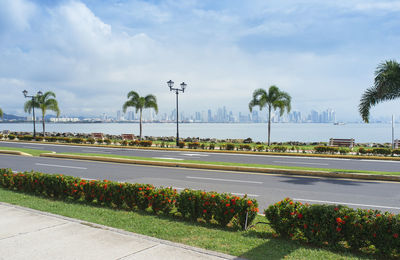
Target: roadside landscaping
[(32, 152), (260, 242), (317, 149)]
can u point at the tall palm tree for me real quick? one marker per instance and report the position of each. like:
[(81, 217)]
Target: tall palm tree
[(386, 87), (139, 103), (45, 102), (273, 99)]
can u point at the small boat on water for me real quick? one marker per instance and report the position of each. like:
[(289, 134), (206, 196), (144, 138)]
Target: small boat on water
[(339, 123)]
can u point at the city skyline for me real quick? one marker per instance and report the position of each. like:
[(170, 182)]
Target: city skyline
[(91, 54)]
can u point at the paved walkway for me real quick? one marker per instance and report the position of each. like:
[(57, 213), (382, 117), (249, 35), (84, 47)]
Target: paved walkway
[(32, 234)]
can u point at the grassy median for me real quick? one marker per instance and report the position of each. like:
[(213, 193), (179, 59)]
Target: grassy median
[(236, 164), (257, 243), (33, 152)]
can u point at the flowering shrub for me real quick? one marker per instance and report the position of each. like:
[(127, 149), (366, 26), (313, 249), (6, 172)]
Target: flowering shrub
[(193, 145), (181, 144), (279, 149), (326, 149), (25, 137), (332, 224), (229, 146), (222, 208), (244, 147)]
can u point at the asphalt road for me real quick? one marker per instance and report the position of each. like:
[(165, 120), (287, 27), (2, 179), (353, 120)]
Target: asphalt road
[(266, 188), (328, 163)]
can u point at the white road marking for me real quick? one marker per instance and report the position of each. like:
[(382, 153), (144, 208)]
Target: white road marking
[(168, 158), (215, 179), (234, 193), (242, 194), (300, 163), (195, 154), (346, 203), (61, 166), (30, 147), (375, 161)]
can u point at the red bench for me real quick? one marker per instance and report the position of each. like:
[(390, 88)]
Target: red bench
[(342, 142), (128, 137), (98, 136)]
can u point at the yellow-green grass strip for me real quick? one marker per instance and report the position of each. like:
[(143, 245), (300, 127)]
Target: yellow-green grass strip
[(32, 152), (237, 164)]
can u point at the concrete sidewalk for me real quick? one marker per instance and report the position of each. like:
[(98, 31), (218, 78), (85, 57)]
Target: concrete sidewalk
[(31, 234)]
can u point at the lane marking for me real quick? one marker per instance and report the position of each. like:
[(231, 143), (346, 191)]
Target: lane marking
[(61, 166), (378, 161), (300, 163), (195, 154), (233, 193), (168, 158), (346, 203), (216, 179), (30, 147), (242, 194)]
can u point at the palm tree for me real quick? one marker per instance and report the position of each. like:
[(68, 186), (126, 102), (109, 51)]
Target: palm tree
[(386, 87), (139, 103), (273, 99), (45, 102), (1, 113)]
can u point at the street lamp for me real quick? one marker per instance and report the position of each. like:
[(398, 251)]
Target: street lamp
[(171, 88), (33, 107)]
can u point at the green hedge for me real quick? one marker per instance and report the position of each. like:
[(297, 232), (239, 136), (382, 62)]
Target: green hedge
[(334, 224), (326, 149), (210, 206)]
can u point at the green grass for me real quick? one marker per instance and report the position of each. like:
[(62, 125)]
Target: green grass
[(33, 152), (237, 164), (257, 243)]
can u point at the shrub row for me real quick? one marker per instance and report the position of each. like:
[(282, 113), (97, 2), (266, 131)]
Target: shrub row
[(334, 224), (379, 151), (210, 206)]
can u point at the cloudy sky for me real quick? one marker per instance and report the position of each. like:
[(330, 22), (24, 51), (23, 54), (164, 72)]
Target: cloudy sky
[(91, 53)]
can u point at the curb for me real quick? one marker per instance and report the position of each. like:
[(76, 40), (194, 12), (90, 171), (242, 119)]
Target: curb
[(313, 155), (359, 176), (128, 233), (14, 152)]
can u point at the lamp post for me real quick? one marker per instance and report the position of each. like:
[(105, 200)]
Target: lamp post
[(171, 88), (33, 108)]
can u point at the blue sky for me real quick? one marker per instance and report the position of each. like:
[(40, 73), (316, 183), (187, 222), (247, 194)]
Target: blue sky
[(92, 53)]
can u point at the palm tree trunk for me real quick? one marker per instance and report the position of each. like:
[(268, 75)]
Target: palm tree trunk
[(140, 124), (269, 125), (44, 129)]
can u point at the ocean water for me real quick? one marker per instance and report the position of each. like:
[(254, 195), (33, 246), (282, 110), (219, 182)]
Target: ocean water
[(280, 132)]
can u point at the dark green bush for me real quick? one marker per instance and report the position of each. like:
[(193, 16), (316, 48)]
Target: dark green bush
[(381, 151), (91, 140), (229, 146), (145, 143), (25, 137), (77, 140), (326, 149), (51, 138), (107, 141), (279, 149), (244, 147), (193, 145), (396, 152), (11, 136), (181, 144)]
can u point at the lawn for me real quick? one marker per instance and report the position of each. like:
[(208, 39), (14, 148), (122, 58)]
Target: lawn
[(33, 152), (256, 243)]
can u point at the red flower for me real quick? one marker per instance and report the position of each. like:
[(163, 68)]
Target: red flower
[(140, 188), (105, 186), (378, 215), (395, 235), (336, 209), (338, 229), (228, 205), (204, 211), (292, 213), (374, 234), (299, 215), (212, 195), (291, 203), (249, 202), (305, 226)]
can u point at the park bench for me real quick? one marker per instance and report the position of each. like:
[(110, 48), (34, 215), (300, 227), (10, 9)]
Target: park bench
[(342, 142), (98, 136), (397, 144), (128, 137)]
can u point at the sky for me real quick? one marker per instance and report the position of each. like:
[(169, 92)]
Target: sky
[(91, 53)]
